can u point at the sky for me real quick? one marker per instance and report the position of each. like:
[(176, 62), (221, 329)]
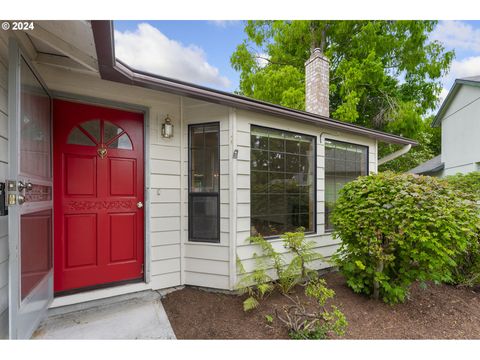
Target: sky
[(199, 51)]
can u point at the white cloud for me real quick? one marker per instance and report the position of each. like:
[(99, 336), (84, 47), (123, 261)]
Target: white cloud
[(466, 67), (458, 35), (224, 23), (150, 50)]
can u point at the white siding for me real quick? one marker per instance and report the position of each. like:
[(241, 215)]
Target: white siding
[(461, 131), (325, 244), (207, 264), (3, 175)]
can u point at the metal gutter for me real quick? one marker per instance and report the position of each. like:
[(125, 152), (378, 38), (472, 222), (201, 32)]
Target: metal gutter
[(394, 155), (114, 70)]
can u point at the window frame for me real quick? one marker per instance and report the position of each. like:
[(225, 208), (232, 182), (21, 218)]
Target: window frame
[(191, 238), (330, 230), (315, 178)]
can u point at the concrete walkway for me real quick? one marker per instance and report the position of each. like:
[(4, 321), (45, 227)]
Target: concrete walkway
[(134, 316)]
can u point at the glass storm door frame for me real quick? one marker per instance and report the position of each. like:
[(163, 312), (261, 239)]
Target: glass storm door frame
[(29, 105)]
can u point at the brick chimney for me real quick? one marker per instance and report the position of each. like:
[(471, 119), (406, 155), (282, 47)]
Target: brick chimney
[(316, 84)]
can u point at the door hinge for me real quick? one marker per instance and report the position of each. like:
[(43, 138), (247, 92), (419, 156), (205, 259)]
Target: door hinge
[(143, 268)]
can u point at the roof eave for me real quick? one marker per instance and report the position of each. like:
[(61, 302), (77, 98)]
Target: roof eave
[(451, 94), (114, 70)]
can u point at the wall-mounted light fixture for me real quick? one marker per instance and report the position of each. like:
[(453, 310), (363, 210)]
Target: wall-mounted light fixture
[(167, 128)]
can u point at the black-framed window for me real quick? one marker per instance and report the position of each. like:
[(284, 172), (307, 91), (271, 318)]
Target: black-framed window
[(204, 183), (344, 162), (282, 181)]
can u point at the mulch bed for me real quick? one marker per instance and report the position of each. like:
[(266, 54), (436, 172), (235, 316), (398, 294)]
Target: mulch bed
[(437, 312)]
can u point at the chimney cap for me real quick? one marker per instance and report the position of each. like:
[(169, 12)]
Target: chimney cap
[(316, 54)]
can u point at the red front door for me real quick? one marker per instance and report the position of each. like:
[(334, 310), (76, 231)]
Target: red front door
[(98, 195)]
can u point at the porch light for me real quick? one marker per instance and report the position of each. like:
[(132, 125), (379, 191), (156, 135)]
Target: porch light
[(167, 128)]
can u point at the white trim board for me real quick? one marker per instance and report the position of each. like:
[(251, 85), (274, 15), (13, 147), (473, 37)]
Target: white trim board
[(98, 294)]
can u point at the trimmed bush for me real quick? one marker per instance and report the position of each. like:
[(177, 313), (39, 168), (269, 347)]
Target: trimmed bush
[(400, 228), (467, 271), (468, 184)]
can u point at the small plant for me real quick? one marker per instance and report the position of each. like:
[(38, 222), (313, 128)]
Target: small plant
[(256, 284), (302, 324), (288, 274), (397, 229)]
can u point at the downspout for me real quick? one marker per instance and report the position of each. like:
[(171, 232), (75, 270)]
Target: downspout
[(395, 154)]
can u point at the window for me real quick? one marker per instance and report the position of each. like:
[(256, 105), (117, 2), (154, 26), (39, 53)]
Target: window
[(282, 182), (99, 133), (344, 162), (204, 183)]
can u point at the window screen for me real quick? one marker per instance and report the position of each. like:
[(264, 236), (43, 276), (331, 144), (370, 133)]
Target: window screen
[(344, 162), (282, 181)]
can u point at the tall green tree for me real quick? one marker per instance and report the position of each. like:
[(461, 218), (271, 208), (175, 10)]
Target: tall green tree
[(383, 74)]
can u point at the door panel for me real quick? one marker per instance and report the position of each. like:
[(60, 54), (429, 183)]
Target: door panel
[(122, 177), (122, 235), (80, 175), (98, 163), (80, 240), (36, 250)]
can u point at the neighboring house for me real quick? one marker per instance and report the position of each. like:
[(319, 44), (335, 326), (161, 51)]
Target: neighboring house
[(155, 182), (459, 117)]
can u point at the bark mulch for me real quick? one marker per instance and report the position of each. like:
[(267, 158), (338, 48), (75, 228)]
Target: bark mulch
[(437, 312)]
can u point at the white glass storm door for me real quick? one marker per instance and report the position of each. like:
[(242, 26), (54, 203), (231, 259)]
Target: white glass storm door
[(30, 218)]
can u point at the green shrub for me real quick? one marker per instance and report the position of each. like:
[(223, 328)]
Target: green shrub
[(397, 229), (467, 271), (468, 184)]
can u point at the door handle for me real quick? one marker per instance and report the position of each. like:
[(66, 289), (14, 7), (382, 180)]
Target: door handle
[(139, 205), (21, 199), (21, 186)]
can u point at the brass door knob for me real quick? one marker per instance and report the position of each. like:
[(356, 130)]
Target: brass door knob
[(139, 205)]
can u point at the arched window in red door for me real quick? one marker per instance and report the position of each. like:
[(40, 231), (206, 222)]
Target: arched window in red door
[(100, 133)]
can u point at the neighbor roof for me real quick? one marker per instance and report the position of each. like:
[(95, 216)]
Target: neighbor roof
[(432, 165), (114, 70), (472, 81)]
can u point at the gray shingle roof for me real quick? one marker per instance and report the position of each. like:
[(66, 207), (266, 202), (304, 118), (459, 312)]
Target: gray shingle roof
[(432, 165), (472, 78)]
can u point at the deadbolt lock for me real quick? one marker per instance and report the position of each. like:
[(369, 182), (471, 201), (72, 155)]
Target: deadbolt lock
[(12, 199)]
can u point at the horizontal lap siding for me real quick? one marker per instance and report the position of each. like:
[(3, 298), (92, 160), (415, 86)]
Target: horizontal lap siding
[(165, 216), (3, 175), (325, 244), (207, 264)]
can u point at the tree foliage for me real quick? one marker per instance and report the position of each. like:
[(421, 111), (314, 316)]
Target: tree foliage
[(397, 229), (383, 74)]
